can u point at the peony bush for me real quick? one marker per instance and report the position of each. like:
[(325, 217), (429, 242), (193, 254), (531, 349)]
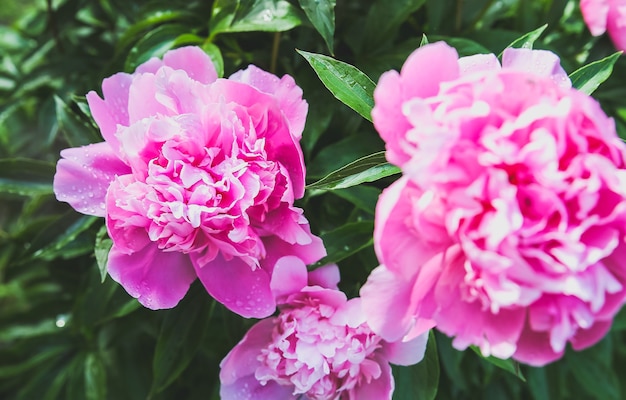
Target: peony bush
[(310, 200)]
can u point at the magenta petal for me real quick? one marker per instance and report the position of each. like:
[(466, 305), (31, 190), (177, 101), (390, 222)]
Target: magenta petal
[(616, 25), (326, 277), (289, 276), (533, 348), (377, 389), (277, 248), (588, 337), (242, 360), (595, 14), (386, 301), (236, 285), (113, 110), (249, 388), (539, 62), (156, 278), (421, 63), (478, 63), (406, 353), (285, 90), (194, 61), (84, 174)]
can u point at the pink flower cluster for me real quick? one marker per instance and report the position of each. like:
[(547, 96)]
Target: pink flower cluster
[(507, 229), (606, 15), (319, 347), (196, 178)]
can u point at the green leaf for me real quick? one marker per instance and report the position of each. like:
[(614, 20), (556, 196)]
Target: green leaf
[(349, 85), (384, 18), (366, 169), (76, 129), (216, 56), (95, 378), (65, 239), (26, 177), (181, 334), (321, 13), (345, 241), (526, 41), (253, 15), (154, 44), (508, 365), (593, 370), (101, 250), (588, 78), (419, 381), (363, 197), (424, 40)]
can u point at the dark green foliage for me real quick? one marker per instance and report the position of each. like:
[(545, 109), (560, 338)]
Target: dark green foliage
[(67, 333)]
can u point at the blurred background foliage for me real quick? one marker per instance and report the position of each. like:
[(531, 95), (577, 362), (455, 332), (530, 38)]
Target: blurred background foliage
[(65, 334)]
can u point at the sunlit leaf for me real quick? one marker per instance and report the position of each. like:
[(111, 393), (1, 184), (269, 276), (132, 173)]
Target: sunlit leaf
[(253, 15), (526, 41), (366, 169), (349, 85), (588, 78), (101, 249)]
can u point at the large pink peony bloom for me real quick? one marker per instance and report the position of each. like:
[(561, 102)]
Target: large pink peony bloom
[(318, 348), (507, 229), (606, 15), (196, 178)]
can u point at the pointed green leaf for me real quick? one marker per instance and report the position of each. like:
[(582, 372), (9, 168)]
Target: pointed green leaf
[(419, 381), (95, 378), (424, 40), (154, 44), (181, 334), (345, 241), (75, 128), (321, 13), (216, 56), (349, 85), (253, 15), (526, 41), (588, 78), (366, 169), (26, 177), (508, 365), (102, 247)]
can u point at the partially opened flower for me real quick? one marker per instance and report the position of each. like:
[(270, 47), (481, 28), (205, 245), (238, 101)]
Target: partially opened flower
[(196, 178), (319, 347), (507, 229), (606, 15)]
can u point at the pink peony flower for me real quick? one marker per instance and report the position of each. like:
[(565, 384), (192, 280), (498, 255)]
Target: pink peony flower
[(507, 229), (319, 347), (603, 15), (196, 178)]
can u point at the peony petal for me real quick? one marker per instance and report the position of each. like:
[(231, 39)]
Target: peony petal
[(289, 276), (377, 389), (84, 174), (157, 279), (533, 348), (434, 63), (249, 388), (616, 25), (287, 94), (539, 62), (236, 285), (142, 99), (242, 360), (406, 352), (395, 241), (595, 14), (113, 110), (478, 63), (276, 248), (326, 276), (588, 337), (280, 144), (192, 60), (386, 298)]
